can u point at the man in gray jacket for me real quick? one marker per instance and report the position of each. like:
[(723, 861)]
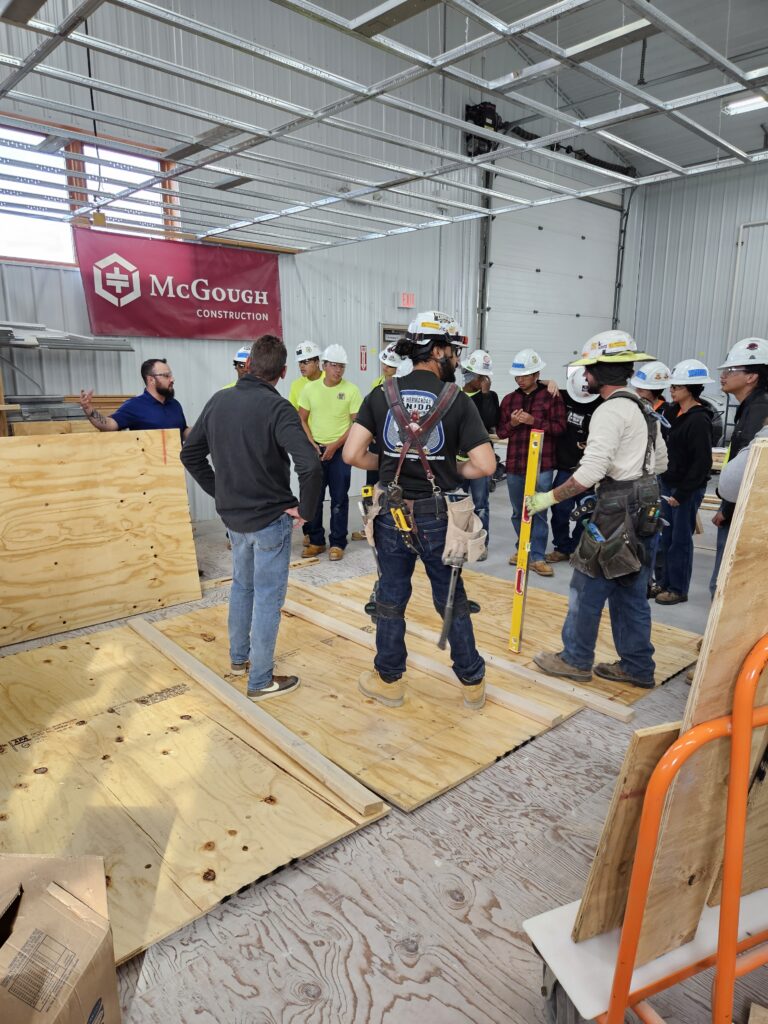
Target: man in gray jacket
[(250, 431)]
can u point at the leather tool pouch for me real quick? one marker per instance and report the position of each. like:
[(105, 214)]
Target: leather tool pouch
[(465, 538), (371, 514)]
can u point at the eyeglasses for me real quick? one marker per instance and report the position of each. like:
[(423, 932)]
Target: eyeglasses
[(336, 366), (162, 374), (732, 369), (303, 362)]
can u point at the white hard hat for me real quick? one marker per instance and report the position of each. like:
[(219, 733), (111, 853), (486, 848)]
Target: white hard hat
[(653, 376), (526, 361), (335, 354), (690, 371), (405, 367), (389, 357), (608, 341), (433, 324), (576, 386), (748, 351), (242, 355), (307, 350), (479, 363)]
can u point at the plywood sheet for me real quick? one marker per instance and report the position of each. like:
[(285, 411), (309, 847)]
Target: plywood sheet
[(544, 616), (107, 748), (605, 894), (690, 848), (755, 862), (758, 1015), (33, 428), (92, 527), (408, 755)]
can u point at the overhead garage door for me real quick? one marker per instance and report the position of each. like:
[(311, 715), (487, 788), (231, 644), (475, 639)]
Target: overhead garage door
[(551, 285)]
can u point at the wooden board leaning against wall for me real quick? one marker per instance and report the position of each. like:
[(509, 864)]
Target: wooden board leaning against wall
[(93, 527)]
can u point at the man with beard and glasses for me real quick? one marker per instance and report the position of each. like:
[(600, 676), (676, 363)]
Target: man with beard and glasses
[(413, 491), (155, 409)]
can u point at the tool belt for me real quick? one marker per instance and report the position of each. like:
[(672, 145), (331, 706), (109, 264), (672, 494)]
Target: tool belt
[(436, 506), (626, 512)]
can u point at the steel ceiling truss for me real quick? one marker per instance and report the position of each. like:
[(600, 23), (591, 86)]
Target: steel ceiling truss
[(229, 153)]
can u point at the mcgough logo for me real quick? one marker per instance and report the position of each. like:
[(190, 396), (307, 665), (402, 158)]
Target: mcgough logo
[(116, 280)]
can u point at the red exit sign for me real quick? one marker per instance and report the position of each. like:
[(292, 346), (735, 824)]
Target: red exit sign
[(407, 300)]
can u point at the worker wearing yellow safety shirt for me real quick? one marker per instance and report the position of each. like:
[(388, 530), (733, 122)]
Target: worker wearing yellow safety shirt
[(308, 358)]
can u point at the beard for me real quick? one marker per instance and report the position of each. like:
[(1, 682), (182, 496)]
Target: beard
[(447, 370), (593, 388), (166, 391)]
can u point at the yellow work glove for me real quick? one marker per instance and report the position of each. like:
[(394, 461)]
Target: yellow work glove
[(539, 502)]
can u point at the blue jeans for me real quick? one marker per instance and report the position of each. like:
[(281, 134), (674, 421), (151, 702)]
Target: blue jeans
[(630, 621), (722, 537), (336, 477), (259, 582), (481, 496), (394, 591), (539, 527), (562, 539), (677, 543)]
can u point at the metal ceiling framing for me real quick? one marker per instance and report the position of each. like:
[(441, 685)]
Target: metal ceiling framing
[(220, 161)]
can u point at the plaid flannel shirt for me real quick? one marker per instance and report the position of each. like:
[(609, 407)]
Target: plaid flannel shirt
[(548, 413)]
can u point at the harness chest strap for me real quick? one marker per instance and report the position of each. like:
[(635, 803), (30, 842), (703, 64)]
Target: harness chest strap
[(414, 431)]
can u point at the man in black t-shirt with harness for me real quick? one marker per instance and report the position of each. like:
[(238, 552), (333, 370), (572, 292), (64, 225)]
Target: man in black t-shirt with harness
[(409, 518)]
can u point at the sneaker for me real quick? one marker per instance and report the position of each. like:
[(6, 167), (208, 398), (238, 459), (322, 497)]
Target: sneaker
[(474, 695), (335, 554), (239, 668), (555, 665), (541, 568), (278, 686), (670, 597), (617, 674), (358, 535), (654, 589), (391, 695), (556, 556), (310, 550)]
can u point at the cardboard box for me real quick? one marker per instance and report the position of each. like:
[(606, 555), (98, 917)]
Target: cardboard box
[(57, 963)]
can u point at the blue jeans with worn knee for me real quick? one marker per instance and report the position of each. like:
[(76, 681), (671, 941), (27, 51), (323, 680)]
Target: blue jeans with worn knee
[(481, 497), (630, 620), (394, 590), (336, 477), (539, 527), (259, 582)]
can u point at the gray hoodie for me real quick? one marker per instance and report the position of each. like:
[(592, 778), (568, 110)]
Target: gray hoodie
[(733, 471)]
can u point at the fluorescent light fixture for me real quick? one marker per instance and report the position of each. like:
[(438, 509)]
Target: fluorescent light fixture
[(20, 11), (745, 105)]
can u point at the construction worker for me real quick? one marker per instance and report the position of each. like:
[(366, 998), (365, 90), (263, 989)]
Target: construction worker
[(623, 456), (569, 447), (743, 376), (531, 405), (649, 381), (689, 445), (327, 407), (308, 358), (239, 363), (408, 498), (477, 374), (157, 408), (391, 364)]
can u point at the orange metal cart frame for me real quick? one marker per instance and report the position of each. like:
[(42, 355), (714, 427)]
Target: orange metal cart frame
[(733, 959)]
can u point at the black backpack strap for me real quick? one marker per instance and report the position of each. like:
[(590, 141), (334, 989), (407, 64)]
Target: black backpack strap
[(650, 420), (413, 432)]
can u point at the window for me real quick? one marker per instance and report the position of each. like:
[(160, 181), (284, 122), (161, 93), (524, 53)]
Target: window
[(35, 182), (42, 185)]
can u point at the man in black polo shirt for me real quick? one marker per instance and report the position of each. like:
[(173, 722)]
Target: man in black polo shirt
[(156, 408), (250, 431), (433, 343)]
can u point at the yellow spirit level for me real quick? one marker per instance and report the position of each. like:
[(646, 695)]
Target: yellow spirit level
[(524, 545)]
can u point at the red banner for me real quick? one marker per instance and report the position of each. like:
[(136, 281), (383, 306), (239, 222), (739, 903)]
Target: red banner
[(150, 288)]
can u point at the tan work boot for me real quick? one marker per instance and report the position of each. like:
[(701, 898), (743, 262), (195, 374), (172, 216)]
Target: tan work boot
[(358, 535), (542, 568), (335, 554), (310, 550), (391, 695), (474, 695), (556, 556)]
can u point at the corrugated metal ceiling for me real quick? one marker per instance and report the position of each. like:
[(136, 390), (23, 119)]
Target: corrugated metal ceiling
[(339, 137)]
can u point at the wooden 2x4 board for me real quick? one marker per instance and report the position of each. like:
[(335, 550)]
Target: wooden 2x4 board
[(408, 755), (107, 748), (92, 528)]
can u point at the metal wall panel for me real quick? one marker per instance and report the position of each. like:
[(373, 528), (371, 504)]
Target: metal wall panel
[(681, 260)]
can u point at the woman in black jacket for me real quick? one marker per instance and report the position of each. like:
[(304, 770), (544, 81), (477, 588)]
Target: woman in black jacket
[(689, 444)]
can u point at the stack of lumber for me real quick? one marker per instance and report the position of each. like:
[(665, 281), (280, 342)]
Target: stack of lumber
[(106, 404), (33, 428)]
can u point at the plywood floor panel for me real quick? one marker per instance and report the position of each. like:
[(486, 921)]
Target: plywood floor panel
[(407, 755), (544, 615), (107, 748), (92, 528)]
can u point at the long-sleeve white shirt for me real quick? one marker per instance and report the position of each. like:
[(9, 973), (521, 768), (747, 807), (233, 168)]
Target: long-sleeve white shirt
[(616, 445)]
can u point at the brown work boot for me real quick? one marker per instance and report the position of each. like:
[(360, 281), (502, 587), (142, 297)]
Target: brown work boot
[(670, 597), (541, 568), (335, 554), (391, 695), (278, 686), (358, 535), (513, 557), (555, 665), (613, 671), (474, 695), (556, 556), (310, 550)]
